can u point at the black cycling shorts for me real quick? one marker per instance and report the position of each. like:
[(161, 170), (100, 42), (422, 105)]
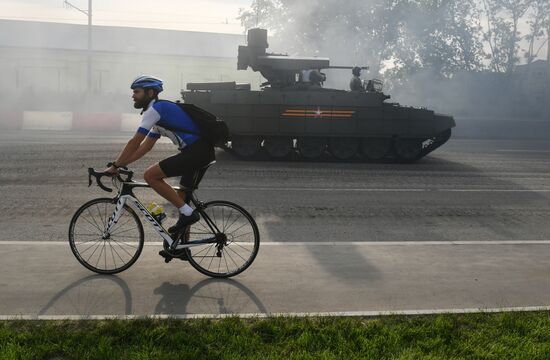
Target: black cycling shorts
[(192, 158)]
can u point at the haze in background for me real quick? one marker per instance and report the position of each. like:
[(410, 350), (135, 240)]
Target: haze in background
[(451, 56), (205, 15)]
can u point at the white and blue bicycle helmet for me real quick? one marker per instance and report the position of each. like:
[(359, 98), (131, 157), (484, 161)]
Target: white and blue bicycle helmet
[(147, 82)]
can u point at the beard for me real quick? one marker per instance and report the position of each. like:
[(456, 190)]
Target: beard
[(140, 104)]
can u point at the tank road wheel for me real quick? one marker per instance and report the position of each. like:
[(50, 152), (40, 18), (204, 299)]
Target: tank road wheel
[(311, 148), (278, 147), (343, 148), (375, 148), (408, 150), (246, 146)]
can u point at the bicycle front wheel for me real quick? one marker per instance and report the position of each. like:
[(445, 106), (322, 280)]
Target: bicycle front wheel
[(238, 245), (105, 253)]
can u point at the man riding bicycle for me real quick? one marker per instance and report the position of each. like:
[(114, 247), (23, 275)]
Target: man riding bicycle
[(168, 119)]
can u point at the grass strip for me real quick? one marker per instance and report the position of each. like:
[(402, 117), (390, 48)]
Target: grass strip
[(513, 335)]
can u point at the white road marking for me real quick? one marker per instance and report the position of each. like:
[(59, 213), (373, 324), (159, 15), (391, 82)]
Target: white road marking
[(523, 151), (279, 189), (374, 313), (326, 243)]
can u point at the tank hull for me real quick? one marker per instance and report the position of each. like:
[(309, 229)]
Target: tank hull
[(346, 125)]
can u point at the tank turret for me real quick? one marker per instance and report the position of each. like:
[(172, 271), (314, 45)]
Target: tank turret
[(280, 70)]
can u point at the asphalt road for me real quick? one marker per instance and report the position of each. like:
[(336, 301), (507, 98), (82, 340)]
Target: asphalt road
[(336, 237), (467, 190), (44, 280)]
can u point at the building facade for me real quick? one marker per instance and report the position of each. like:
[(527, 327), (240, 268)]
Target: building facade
[(40, 61)]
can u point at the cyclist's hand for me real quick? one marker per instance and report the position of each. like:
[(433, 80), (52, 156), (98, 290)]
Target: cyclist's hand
[(111, 170)]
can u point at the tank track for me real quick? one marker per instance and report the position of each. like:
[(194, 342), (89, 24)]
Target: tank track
[(433, 144)]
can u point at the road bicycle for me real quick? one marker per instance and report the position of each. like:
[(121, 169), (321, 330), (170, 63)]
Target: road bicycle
[(106, 234)]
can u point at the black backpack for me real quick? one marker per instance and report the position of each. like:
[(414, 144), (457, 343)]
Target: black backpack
[(211, 128)]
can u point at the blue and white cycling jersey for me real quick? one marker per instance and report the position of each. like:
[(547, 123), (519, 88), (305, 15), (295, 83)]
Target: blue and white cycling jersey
[(161, 115)]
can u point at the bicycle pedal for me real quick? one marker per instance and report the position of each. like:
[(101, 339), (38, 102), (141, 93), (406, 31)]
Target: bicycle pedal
[(167, 257), (179, 254)]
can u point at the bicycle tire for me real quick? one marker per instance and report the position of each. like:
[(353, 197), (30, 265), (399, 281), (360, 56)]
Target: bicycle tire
[(95, 227), (193, 253)]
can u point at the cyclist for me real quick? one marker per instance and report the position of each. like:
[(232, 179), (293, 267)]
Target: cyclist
[(195, 152)]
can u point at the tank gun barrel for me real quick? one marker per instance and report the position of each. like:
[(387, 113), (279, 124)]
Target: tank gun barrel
[(347, 67)]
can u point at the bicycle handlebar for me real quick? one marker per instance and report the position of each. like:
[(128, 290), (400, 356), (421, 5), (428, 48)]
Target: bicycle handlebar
[(98, 175)]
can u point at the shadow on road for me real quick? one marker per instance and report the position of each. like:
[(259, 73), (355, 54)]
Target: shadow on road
[(112, 295)]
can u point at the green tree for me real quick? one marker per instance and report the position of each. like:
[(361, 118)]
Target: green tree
[(439, 35), (539, 26), (412, 34), (502, 32)]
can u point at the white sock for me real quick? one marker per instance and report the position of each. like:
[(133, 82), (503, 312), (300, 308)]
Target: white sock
[(186, 210)]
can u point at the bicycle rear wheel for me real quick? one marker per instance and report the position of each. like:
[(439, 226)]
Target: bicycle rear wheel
[(102, 254), (238, 244)]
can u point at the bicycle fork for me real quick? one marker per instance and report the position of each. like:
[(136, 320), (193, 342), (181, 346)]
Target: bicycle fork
[(114, 218)]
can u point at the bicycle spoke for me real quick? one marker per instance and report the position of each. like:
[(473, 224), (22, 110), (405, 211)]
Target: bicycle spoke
[(122, 232), (231, 257), (239, 255), (240, 246), (204, 227), (212, 260), (105, 216), (238, 236), (223, 225), (101, 217), (200, 233), (116, 252), (206, 255), (120, 246), (119, 225), (227, 266), (228, 227), (93, 218), (99, 257), (214, 216), (197, 253), (240, 227), (124, 236), (105, 254), (86, 242), (122, 242), (80, 224), (95, 242), (92, 254), (94, 225), (113, 255)]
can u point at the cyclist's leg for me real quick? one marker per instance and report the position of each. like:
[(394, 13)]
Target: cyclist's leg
[(185, 195), (155, 176), (185, 163)]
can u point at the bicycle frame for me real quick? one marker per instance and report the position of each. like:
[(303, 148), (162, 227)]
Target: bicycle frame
[(126, 196)]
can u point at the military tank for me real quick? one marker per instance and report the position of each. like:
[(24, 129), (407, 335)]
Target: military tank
[(294, 114)]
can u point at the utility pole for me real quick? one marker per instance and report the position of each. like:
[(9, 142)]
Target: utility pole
[(88, 13), (548, 69)]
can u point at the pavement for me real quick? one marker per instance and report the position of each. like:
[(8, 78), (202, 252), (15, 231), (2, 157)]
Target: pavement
[(463, 229), (45, 281)]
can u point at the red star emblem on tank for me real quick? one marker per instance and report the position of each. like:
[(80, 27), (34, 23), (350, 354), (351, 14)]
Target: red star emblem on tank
[(318, 113)]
